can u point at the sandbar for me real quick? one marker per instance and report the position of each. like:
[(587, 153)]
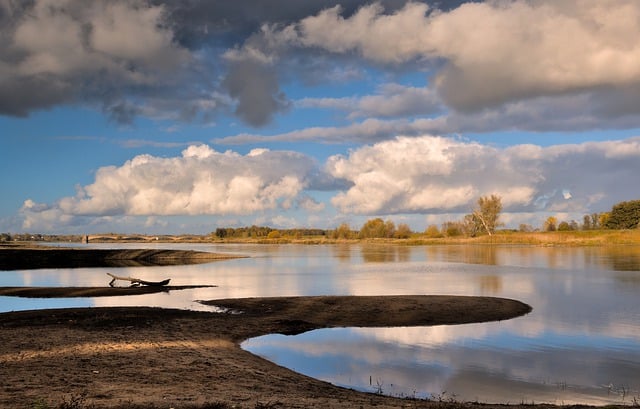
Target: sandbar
[(140, 357)]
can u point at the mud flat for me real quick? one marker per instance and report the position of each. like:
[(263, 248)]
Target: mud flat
[(72, 292), (33, 257), (161, 358)]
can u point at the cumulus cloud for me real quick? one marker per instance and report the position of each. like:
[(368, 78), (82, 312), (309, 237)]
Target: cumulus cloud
[(426, 175), (438, 175), (200, 181), (494, 52)]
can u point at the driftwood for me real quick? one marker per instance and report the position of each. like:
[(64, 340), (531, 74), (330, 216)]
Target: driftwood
[(135, 282)]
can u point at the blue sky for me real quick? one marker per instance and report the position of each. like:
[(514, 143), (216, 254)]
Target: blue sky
[(170, 117)]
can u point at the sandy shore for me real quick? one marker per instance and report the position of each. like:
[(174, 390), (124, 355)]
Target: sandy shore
[(159, 358)]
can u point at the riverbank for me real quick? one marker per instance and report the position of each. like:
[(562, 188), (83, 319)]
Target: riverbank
[(158, 358), (73, 292), (25, 256), (571, 238)]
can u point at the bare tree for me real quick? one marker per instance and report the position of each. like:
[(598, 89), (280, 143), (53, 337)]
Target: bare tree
[(486, 214)]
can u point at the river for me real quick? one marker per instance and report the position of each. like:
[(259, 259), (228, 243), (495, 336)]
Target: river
[(580, 344)]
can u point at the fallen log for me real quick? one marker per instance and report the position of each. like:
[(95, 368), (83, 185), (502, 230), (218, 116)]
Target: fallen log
[(72, 292), (137, 282)]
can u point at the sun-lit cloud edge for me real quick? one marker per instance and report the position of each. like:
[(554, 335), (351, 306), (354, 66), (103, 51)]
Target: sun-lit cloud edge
[(406, 177)]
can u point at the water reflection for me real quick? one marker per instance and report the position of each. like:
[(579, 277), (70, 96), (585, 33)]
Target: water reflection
[(385, 254), (465, 254), (616, 258), (490, 284), (580, 344), (481, 362)]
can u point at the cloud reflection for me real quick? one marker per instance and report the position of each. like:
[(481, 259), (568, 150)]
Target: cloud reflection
[(580, 344)]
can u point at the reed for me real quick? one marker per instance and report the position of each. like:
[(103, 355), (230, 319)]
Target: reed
[(556, 238)]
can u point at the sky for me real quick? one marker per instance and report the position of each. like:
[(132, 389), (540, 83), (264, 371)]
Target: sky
[(170, 117)]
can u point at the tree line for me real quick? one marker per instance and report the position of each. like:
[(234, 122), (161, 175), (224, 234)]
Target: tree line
[(258, 232), (484, 219), (623, 216)]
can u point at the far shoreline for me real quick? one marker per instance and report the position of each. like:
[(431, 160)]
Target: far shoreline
[(573, 238)]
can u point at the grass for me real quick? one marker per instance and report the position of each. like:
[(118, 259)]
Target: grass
[(501, 237), (555, 238), (79, 402), (440, 401)]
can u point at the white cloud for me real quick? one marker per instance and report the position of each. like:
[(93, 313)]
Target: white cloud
[(51, 40), (495, 51), (121, 55), (426, 175), (308, 203), (585, 111), (369, 130), (438, 175), (114, 26), (391, 100), (201, 181), (38, 216), (376, 36), (60, 38)]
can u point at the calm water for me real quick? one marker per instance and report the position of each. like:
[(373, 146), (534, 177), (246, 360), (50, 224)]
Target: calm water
[(581, 343)]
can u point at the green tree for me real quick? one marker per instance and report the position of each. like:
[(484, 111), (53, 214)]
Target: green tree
[(624, 215), (486, 214)]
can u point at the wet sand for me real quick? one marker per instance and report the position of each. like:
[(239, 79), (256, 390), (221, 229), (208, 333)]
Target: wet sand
[(119, 357)]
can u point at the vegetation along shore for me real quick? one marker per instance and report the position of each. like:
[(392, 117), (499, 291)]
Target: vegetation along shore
[(620, 226)]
